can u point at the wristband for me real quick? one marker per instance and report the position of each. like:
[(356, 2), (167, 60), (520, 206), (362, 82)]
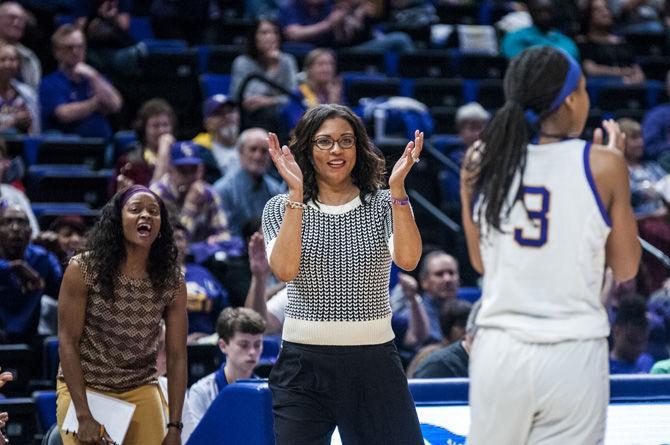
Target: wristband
[(177, 425), (400, 202)]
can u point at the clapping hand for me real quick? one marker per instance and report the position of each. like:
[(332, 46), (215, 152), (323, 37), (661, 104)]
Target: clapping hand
[(286, 165), (409, 157), (616, 140), (258, 262)]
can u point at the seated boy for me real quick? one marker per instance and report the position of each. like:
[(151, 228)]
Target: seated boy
[(241, 340)]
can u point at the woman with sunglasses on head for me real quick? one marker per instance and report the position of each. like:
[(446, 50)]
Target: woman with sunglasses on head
[(332, 239), (544, 213), (112, 300)]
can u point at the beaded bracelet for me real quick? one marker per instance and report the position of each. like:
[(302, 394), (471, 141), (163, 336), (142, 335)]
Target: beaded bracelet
[(400, 202), (294, 204)]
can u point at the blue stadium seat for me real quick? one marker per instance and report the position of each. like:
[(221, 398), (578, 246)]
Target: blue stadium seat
[(271, 347), (470, 294), (19, 360), (68, 149), (211, 84), (357, 87), (655, 67), (439, 92), (425, 63), (22, 412), (63, 19), (123, 141), (481, 66), (490, 93), (140, 28), (68, 185), (363, 61), (50, 358), (45, 401), (458, 14), (220, 58), (444, 118), (241, 414), (611, 97), (158, 45)]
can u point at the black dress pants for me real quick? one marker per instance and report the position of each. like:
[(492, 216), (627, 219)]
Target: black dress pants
[(360, 389)]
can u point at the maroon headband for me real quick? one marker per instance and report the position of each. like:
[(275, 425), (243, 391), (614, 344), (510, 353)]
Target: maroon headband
[(134, 190)]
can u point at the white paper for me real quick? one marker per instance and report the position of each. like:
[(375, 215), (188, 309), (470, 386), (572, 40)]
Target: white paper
[(113, 414)]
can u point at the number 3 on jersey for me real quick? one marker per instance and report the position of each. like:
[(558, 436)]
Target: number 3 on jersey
[(537, 203)]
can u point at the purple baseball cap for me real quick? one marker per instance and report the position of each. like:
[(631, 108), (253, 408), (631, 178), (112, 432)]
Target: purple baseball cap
[(213, 103), (185, 153)]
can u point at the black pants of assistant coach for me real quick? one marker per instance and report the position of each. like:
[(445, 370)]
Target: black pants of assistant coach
[(360, 389)]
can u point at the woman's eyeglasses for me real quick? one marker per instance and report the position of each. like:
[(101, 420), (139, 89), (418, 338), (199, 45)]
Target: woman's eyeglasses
[(326, 143)]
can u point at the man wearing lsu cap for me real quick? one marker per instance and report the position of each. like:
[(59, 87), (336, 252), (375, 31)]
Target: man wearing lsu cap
[(189, 198), (222, 124)]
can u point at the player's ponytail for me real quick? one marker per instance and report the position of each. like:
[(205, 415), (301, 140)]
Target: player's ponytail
[(533, 82)]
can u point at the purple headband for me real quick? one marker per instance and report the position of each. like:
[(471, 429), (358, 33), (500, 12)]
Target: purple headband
[(570, 84), (134, 190)]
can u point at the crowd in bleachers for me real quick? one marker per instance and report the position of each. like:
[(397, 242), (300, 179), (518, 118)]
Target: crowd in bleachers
[(179, 96)]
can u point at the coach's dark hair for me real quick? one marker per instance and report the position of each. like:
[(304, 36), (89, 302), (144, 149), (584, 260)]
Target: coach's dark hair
[(533, 80), (368, 173)]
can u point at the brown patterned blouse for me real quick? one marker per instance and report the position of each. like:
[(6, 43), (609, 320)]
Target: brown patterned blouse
[(119, 342)]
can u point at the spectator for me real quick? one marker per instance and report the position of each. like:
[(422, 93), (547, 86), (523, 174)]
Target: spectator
[(241, 340), (11, 195), (642, 16), (440, 280), (341, 23), (452, 360), (649, 205), (4, 417), (269, 304), (261, 103), (471, 119), (64, 237), (453, 320), (13, 20), (630, 334), (190, 199), (106, 25), (541, 33), (647, 201), (245, 190), (321, 84), (150, 159), (18, 101), (656, 132), (205, 297), (76, 98), (604, 53), (222, 126), (12, 170), (26, 273)]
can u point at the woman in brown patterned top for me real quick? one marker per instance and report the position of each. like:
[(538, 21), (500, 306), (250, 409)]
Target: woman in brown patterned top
[(112, 299)]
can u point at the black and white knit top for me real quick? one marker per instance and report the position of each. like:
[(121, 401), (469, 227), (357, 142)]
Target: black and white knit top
[(341, 293)]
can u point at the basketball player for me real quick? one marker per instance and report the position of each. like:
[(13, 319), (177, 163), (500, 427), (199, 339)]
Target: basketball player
[(544, 214)]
